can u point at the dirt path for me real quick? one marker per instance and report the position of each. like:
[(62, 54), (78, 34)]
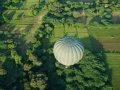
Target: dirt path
[(38, 22)]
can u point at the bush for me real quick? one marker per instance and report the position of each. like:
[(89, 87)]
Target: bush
[(33, 13), (76, 14)]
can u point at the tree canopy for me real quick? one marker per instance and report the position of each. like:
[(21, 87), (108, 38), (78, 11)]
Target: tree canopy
[(27, 61)]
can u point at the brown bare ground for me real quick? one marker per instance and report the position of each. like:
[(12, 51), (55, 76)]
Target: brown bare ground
[(81, 12)]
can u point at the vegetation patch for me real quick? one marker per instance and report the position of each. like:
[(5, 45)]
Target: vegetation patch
[(29, 29)]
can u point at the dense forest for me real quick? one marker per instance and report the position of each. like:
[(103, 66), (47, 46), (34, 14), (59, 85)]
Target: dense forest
[(27, 61)]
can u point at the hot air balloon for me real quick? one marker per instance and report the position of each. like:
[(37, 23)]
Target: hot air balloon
[(68, 50)]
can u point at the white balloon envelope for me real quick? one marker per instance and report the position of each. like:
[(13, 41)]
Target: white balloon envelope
[(68, 50)]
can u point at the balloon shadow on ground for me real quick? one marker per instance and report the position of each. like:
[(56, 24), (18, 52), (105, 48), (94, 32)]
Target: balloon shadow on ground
[(116, 19), (94, 46), (97, 50), (45, 43)]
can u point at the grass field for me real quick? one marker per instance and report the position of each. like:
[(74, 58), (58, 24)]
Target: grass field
[(105, 39), (113, 61), (71, 31), (26, 23)]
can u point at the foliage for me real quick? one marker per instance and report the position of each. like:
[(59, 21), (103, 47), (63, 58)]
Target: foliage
[(33, 13), (38, 81), (32, 66), (2, 71), (76, 14), (89, 73)]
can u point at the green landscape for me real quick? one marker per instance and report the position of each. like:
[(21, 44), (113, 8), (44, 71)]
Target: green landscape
[(29, 30)]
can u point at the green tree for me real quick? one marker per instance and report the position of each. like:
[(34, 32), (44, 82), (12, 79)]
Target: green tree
[(76, 14), (50, 1), (16, 1), (11, 46), (104, 1), (2, 71), (28, 52), (27, 66), (16, 57), (32, 57), (39, 81), (67, 8), (27, 86), (3, 58), (35, 60)]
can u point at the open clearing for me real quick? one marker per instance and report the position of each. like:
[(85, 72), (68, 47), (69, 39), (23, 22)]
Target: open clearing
[(113, 61)]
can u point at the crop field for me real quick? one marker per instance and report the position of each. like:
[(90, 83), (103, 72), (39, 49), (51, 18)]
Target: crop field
[(78, 32), (13, 16), (113, 61), (25, 21), (105, 39)]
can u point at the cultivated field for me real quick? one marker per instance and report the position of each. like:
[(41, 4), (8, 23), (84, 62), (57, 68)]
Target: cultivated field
[(99, 39), (105, 39), (72, 31)]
